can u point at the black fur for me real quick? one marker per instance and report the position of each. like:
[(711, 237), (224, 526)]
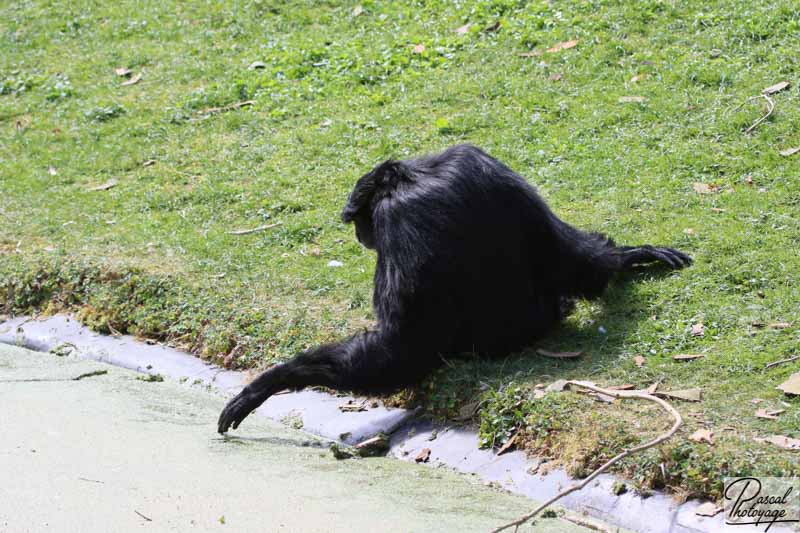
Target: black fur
[(470, 259)]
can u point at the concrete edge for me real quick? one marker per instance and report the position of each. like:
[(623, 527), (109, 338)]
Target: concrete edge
[(320, 414)]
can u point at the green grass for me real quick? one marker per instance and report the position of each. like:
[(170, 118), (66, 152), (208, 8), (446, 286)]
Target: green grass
[(338, 93)]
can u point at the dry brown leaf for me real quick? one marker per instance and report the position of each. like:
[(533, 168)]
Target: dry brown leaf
[(423, 456), (781, 441), (133, 81), (708, 509), (566, 45), (687, 356), (638, 78), (352, 408), (698, 330), (539, 394), (687, 395), (556, 76), (652, 388), (789, 151), (630, 99), (703, 435), (769, 414), (105, 186), (418, 49), (149, 162), (728, 428), (704, 188), (556, 386), (639, 360), (780, 325), (778, 87), (533, 53), (792, 385), (122, 71), (756, 401), (717, 210), (358, 10), (558, 355), (508, 445), (462, 30)]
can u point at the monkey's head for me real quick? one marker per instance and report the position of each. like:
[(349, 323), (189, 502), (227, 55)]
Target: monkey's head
[(369, 190)]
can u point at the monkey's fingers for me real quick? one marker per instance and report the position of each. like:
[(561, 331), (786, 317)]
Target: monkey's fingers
[(687, 259), (679, 259), (236, 411), (649, 254)]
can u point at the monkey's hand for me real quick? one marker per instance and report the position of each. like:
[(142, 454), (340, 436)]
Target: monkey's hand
[(237, 410)]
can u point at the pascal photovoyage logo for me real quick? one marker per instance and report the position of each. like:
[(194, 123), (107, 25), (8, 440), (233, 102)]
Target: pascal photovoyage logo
[(762, 502)]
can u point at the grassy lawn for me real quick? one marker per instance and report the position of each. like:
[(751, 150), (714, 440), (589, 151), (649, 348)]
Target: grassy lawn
[(338, 87)]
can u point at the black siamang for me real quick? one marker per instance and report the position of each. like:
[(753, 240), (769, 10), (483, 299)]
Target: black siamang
[(470, 259)]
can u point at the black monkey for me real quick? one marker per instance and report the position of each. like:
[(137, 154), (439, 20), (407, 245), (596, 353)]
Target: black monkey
[(470, 259)]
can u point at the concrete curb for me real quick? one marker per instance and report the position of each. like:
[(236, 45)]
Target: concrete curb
[(320, 414)]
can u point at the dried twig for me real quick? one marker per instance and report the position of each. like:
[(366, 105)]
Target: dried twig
[(588, 523), (782, 361), (143, 516), (254, 230), (229, 107), (643, 395), (105, 186), (770, 109)]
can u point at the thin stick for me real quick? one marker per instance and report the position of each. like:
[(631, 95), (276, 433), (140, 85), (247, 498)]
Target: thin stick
[(248, 231), (782, 361), (658, 440), (770, 108), (143, 516), (588, 523), (229, 107)]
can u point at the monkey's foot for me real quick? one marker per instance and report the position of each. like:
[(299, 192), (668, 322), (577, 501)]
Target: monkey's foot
[(641, 255)]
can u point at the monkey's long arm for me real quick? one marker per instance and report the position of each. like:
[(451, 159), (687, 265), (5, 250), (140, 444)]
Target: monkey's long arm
[(373, 363)]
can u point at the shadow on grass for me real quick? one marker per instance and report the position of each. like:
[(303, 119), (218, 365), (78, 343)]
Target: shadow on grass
[(600, 330)]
